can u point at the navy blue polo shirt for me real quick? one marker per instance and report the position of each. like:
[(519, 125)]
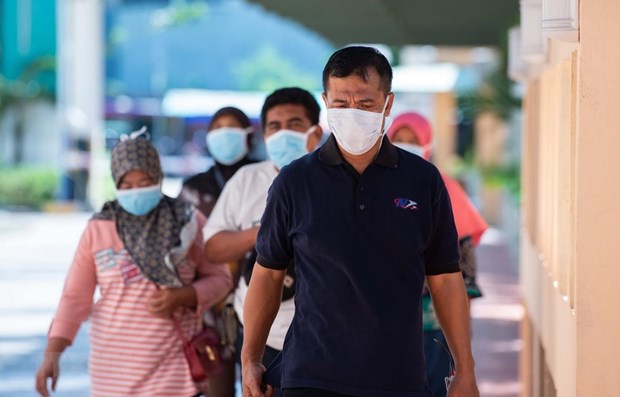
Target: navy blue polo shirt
[(362, 246)]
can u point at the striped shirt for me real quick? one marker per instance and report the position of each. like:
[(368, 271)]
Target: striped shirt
[(133, 353)]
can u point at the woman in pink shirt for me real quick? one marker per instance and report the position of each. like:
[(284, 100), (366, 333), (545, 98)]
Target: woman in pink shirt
[(144, 252)]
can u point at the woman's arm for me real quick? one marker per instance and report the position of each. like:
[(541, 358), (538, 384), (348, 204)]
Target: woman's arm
[(213, 280), (75, 305), (212, 283)]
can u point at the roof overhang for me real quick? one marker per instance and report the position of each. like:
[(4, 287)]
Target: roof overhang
[(403, 22)]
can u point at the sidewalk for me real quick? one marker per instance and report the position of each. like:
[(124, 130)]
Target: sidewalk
[(37, 250), (495, 320)]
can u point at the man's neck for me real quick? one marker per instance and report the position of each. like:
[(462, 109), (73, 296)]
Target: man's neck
[(362, 161)]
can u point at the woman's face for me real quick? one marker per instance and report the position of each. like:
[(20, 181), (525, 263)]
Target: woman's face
[(134, 179), (224, 121), (405, 135)]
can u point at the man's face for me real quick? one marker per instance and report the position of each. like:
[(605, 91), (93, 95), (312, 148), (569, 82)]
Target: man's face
[(353, 92), (290, 117)]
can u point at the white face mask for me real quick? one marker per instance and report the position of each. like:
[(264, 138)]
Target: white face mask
[(356, 130), (412, 148)]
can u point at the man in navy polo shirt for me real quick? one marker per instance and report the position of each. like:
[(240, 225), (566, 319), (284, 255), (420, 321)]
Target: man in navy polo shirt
[(365, 223)]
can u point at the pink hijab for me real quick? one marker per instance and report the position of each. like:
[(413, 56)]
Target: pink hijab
[(418, 124), (468, 220)]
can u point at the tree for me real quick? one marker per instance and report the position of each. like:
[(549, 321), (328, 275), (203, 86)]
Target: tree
[(268, 70), (16, 94)]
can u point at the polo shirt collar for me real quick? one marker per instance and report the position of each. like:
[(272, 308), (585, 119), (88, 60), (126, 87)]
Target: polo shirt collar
[(330, 154)]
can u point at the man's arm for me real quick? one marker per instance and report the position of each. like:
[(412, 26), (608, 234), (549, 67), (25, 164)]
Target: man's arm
[(452, 309), (224, 239), (261, 306), (229, 246)]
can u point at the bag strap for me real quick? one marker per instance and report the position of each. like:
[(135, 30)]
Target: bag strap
[(219, 178), (177, 326)]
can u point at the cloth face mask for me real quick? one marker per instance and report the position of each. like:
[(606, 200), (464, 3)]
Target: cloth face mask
[(139, 201), (227, 145), (284, 146), (357, 130)]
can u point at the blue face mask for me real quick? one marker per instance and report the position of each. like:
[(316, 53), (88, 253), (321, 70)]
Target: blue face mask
[(227, 145), (285, 146), (139, 201)]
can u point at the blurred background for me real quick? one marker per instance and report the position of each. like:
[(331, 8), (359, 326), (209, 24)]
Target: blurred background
[(76, 74)]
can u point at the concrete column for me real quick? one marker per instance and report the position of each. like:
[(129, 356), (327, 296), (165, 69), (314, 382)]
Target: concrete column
[(80, 89), (598, 199), (444, 131)]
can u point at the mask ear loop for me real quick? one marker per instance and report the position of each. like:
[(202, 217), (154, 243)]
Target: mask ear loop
[(135, 134), (387, 122)]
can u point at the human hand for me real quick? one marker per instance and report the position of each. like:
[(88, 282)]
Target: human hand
[(253, 381), (50, 368), (463, 385), (163, 302)]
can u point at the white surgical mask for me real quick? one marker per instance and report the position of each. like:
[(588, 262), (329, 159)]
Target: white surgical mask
[(284, 146), (412, 148), (357, 130)]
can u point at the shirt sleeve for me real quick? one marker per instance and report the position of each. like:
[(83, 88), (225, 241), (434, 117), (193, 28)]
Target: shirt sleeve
[(213, 280), (76, 300), (273, 244), (442, 252), (224, 214)]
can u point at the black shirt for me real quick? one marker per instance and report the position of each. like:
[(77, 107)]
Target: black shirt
[(202, 190), (362, 245)]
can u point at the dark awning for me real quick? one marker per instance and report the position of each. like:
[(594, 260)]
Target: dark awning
[(402, 22)]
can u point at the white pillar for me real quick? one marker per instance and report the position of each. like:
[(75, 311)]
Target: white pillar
[(80, 86)]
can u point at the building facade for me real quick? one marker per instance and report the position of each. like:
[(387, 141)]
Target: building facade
[(566, 54)]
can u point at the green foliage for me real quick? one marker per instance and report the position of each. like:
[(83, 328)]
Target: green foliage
[(494, 95), (508, 177), (27, 186), (268, 70), (33, 83), (178, 13)]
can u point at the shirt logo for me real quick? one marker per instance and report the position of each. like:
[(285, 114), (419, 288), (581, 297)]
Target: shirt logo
[(405, 204)]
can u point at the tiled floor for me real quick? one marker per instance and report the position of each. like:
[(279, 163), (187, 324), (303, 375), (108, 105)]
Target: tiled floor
[(495, 320)]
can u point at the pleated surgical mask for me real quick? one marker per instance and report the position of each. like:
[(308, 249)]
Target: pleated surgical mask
[(227, 145), (355, 130), (285, 146), (139, 201)]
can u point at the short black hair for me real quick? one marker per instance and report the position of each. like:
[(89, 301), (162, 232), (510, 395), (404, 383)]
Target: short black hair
[(241, 117), (294, 96), (357, 60)]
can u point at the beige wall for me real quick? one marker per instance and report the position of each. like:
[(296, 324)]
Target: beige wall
[(598, 200), (548, 230), (570, 254)]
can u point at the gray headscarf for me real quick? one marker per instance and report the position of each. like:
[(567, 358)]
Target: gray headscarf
[(158, 241)]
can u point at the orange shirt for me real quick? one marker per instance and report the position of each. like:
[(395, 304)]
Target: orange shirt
[(467, 219)]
